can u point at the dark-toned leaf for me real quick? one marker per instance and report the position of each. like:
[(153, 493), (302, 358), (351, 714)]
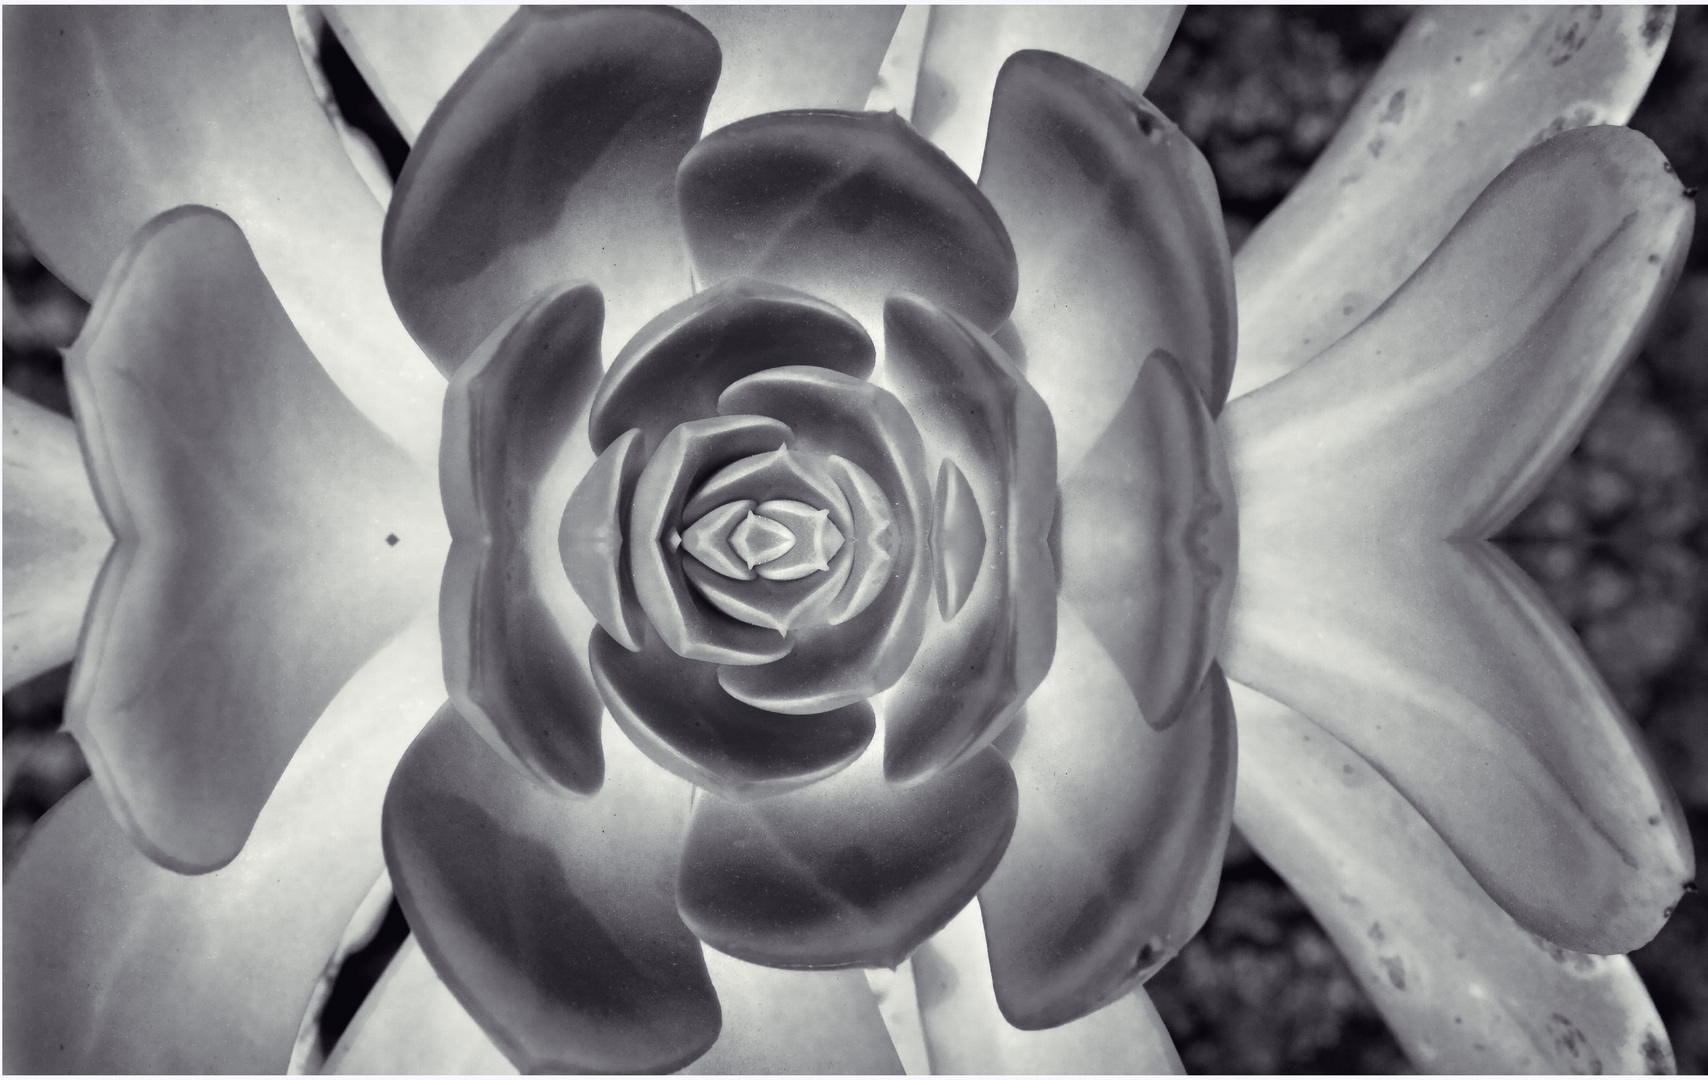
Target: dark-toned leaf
[(510, 661), (675, 711), (1149, 539), (552, 158), (551, 918), (674, 369), (851, 871), (1118, 232), (849, 207), (1118, 846)]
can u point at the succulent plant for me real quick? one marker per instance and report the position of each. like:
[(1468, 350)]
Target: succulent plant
[(689, 539)]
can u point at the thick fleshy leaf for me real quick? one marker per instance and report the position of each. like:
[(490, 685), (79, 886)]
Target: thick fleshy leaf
[(115, 114), (675, 711), (1463, 987), (801, 1023), (411, 54), (411, 1023), (797, 56), (849, 872), (552, 158), (965, 1033), (507, 609), (1367, 603), (1118, 846), (1461, 94), (849, 207), (1118, 231), (975, 668), (675, 368), (591, 538), (832, 414), (965, 47), (107, 955), (1150, 539), (692, 629), (56, 539), (552, 919), (269, 540)]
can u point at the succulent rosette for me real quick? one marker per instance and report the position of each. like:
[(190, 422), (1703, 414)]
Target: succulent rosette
[(832, 540)]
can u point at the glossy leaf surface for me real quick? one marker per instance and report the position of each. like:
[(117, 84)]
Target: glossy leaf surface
[(1367, 601), (510, 657), (1460, 95), (551, 159), (1149, 539), (1118, 232), (965, 1032), (849, 872), (965, 47), (106, 127), (849, 207), (1463, 987), (1118, 845), (106, 954), (675, 711), (268, 540), (976, 668), (552, 918), (674, 369)]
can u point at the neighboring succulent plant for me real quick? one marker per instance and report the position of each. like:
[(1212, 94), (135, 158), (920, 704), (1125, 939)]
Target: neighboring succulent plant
[(874, 443)]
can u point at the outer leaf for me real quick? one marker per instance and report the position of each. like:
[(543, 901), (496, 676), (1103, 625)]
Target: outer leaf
[(965, 47), (110, 960), (551, 918), (1464, 988), (1118, 232), (1364, 602), (551, 159), (1462, 93), (804, 1023), (269, 540), (1118, 844), (849, 207), (779, 57), (55, 539), (965, 1033), (411, 54), (513, 627), (115, 114), (410, 1023)]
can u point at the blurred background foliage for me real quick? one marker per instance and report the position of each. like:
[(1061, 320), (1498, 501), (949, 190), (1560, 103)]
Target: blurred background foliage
[(1617, 538)]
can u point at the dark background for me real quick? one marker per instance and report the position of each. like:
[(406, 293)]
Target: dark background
[(1617, 539)]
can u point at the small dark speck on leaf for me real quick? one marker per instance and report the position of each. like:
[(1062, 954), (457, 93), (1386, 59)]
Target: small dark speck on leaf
[(1654, 259), (1396, 971), (391, 540), (1347, 310), (1654, 819)]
